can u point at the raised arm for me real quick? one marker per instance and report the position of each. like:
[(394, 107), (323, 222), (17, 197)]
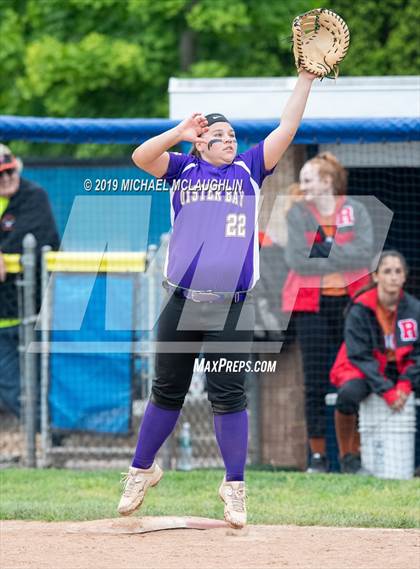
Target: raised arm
[(152, 156), (279, 139)]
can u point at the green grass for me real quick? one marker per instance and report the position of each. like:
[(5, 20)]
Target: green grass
[(274, 497)]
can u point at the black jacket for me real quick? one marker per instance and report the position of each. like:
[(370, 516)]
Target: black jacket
[(28, 211), (363, 354)]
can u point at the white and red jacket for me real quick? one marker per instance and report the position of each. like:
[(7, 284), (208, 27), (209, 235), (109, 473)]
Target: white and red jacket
[(363, 352), (309, 257)]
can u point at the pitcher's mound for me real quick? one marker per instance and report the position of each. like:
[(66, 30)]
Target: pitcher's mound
[(145, 525), (120, 543)]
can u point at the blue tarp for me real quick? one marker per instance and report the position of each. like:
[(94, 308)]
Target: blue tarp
[(91, 391)]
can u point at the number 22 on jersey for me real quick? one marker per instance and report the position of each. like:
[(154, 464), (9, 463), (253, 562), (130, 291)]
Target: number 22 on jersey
[(235, 225)]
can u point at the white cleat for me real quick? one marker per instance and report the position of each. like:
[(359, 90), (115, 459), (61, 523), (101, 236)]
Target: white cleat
[(136, 483), (233, 495)]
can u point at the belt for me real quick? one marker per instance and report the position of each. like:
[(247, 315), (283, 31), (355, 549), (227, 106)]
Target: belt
[(204, 296)]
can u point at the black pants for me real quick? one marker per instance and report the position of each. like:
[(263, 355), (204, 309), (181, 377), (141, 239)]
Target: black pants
[(186, 329), (320, 335), (9, 369), (351, 393)]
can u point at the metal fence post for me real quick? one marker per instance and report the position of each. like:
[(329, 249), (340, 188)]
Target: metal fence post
[(29, 373), (45, 319)]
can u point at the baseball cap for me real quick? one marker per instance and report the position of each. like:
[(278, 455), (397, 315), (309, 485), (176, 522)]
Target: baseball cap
[(7, 160), (215, 117)]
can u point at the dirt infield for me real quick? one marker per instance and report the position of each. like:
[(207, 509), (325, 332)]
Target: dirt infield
[(118, 544)]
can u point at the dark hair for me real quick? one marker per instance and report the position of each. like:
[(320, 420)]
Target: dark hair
[(391, 253), (376, 266), (194, 151)]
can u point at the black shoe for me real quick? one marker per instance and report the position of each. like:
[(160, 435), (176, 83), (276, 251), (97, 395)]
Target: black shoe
[(58, 439), (318, 464), (352, 464)]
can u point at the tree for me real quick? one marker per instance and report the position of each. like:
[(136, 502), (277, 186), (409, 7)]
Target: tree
[(384, 38), (113, 58)]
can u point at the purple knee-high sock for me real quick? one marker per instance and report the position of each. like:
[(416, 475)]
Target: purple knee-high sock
[(155, 428), (232, 437)]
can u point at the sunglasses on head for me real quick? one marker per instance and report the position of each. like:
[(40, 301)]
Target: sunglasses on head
[(9, 172)]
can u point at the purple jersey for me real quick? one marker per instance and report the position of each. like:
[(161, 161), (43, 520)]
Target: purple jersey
[(214, 241)]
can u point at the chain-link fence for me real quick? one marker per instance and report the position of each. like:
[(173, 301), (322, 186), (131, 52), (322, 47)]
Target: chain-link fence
[(84, 441), (111, 387), (95, 382)]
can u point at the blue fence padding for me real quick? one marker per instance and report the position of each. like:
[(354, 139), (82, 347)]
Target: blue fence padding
[(92, 391), (135, 131)]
